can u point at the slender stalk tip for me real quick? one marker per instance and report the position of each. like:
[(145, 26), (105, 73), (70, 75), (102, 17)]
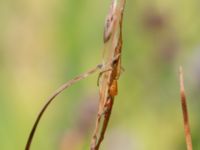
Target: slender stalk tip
[(185, 111), (182, 89)]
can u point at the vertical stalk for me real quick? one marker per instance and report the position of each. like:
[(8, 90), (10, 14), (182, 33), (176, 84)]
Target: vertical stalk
[(185, 111)]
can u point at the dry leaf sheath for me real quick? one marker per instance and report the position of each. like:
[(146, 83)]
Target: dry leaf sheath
[(185, 112), (108, 79)]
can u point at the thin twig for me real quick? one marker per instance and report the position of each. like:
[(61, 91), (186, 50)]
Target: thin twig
[(53, 96), (105, 123), (185, 111), (108, 80)]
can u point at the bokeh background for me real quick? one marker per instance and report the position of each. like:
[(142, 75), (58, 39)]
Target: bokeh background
[(45, 43)]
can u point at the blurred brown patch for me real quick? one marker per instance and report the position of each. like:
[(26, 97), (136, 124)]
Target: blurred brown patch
[(75, 138), (153, 20)]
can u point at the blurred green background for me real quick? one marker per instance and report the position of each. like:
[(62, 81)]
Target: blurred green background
[(45, 43)]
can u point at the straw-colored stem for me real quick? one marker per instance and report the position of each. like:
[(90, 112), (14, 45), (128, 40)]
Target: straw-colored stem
[(185, 111)]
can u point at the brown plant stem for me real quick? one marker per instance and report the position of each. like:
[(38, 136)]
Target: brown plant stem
[(185, 111), (108, 87), (52, 97), (105, 123)]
